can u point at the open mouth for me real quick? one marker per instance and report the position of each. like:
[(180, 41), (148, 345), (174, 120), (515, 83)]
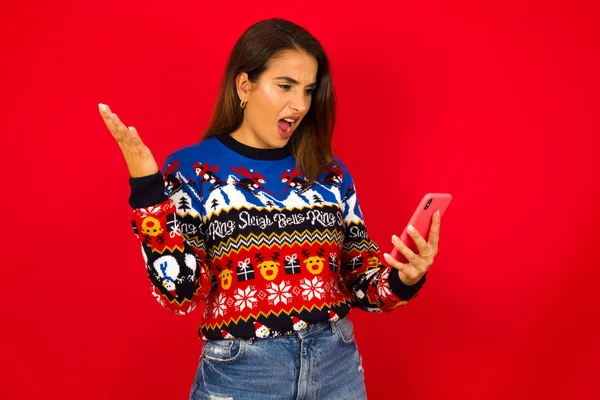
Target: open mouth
[(286, 126)]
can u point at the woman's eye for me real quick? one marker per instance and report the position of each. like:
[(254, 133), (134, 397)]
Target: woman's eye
[(309, 91), (285, 87)]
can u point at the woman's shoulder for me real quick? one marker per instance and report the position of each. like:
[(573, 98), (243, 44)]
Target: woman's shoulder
[(337, 162), (204, 150)]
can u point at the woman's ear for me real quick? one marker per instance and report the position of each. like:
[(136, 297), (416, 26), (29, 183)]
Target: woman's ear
[(243, 86)]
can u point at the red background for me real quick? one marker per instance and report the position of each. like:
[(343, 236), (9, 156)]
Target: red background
[(496, 104)]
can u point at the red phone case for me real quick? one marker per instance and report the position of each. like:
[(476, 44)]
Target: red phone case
[(421, 220)]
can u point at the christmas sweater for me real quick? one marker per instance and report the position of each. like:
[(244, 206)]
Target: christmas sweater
[(240, 229)]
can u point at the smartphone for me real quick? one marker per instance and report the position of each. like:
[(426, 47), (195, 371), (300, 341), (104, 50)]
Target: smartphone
[(421, 220)]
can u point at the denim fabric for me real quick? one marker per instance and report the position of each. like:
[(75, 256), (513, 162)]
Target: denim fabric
[(319, 362)]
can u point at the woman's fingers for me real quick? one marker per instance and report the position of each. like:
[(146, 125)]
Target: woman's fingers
[(395, 263), (121, 131), (434, 232), (138, 157), (418, 264), (134, 136), (105, 113), (404, 249), (404, 270), (118, 129), (420, 242)]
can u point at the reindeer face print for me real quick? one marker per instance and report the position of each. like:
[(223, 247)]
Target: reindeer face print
[(151, 226), (225, 278), (314, 265), (269, 269)]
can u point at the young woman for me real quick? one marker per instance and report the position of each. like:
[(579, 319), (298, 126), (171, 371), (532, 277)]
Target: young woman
[(261, 221)]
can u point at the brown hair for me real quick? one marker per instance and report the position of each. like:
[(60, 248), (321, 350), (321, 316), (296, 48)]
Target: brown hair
[(311, 142)]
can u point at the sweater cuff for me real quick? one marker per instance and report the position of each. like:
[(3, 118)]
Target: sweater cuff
[(403, 291), (147, 191)]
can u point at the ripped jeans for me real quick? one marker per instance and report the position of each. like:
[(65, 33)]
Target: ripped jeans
[(320, 362)]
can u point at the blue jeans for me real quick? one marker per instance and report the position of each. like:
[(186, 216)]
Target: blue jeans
[(319, 362)]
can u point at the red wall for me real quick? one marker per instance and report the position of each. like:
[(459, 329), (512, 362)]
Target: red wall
[(496, 104)]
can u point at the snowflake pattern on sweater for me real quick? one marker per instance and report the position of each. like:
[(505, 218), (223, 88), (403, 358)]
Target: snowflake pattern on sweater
[(269, 253)]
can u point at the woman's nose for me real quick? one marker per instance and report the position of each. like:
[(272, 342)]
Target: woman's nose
[(299, 105)]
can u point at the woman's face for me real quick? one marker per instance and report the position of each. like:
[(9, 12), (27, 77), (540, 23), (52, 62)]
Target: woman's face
[(278, 101)]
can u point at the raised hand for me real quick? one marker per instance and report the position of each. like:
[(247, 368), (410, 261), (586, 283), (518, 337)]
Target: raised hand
[(138, 157)]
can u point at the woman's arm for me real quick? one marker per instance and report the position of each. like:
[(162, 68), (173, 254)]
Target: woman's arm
[(375, 286), (167, 220)]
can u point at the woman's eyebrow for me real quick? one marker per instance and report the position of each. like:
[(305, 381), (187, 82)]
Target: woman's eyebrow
[(295, 82)]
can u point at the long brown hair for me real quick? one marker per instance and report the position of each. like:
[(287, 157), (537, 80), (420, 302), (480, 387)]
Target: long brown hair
[(311, 142)]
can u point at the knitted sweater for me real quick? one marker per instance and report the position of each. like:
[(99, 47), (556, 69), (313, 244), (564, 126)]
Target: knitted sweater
[(240, 229)]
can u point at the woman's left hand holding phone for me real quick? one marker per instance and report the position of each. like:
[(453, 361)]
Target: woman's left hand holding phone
[(412, 272)]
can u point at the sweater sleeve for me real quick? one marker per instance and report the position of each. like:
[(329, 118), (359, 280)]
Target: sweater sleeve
[(375, 286), (167, 220)]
